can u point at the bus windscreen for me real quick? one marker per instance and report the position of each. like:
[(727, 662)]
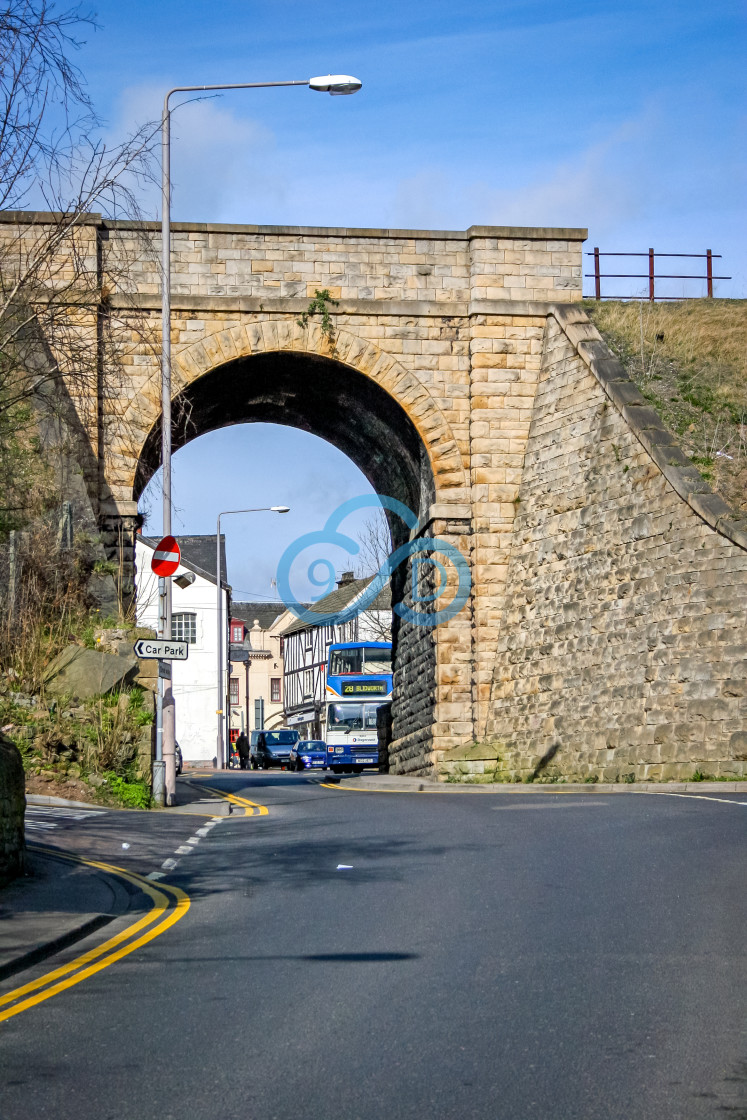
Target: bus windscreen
[(368, 660), (345, 717)]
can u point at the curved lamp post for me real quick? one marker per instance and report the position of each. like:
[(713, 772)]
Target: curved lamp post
[(221, 693), (334, 84)]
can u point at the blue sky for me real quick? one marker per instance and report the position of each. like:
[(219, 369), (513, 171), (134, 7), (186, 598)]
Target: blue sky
[(627, 118)]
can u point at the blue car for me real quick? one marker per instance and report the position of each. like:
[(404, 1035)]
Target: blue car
[(308, 754)]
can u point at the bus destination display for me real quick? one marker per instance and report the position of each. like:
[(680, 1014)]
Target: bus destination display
[(364, 688)]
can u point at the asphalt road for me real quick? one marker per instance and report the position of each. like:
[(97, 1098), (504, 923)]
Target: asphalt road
[(368, 955)]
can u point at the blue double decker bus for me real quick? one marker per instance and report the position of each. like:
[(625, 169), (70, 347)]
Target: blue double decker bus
[(359, 683)]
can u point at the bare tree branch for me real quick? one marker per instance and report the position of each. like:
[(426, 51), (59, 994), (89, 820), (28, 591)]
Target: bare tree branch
[(57, 334), (375, 542)]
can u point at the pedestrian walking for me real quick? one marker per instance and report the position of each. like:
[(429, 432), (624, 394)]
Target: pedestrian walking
[(242, 746)]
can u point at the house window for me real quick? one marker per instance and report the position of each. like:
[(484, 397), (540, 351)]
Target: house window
[(184, 628), (233, 690), (237, 632), (308, 682), (275, 690)]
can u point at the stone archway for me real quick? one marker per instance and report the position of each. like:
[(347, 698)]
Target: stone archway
[(234, 344), (357, 397)]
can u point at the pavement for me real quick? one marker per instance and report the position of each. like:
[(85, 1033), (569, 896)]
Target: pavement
[(395, 783), (55, 904), (59, 901)]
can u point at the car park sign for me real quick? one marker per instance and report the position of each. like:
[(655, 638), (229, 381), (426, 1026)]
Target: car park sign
[(159, 647), (166, 557)]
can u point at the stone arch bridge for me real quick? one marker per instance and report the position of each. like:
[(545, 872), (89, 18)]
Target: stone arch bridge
[(602, 633)]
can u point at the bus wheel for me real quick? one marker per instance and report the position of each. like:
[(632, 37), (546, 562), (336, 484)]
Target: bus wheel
[(357, 769), (337, 770)]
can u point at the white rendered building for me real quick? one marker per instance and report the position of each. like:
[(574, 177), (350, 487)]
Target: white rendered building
[(194, 620)]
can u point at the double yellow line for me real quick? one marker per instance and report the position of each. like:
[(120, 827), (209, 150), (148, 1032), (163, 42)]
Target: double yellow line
[(169, 905), (251, 808)]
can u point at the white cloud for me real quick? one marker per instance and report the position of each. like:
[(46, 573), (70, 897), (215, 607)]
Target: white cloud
[(217, 157), (660, 178)]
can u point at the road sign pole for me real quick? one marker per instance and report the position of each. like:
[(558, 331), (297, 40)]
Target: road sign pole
[(165, 562), (169, 742), (157, 784), (169, 719), (219, 760)]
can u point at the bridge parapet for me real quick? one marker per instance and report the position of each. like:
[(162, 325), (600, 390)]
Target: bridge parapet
[(432, 266)]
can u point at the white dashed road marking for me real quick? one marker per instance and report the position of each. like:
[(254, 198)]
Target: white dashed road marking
[(44, 818), (61, 811), (189, 845)]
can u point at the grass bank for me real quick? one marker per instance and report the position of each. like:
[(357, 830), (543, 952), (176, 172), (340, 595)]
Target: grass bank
[(689, 360), (97, 749)]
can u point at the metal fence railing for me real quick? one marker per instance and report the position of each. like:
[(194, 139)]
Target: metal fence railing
[(651, 276)]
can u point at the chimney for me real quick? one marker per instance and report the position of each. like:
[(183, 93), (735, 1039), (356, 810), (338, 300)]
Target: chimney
[(346, 577)]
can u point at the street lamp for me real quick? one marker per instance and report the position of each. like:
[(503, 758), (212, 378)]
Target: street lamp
[(220, 753), (334, 84)]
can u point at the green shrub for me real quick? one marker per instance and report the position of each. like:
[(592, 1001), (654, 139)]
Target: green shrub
[(133, 795)]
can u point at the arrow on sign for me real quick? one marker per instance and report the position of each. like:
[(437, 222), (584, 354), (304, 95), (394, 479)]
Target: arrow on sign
[(160, 648)]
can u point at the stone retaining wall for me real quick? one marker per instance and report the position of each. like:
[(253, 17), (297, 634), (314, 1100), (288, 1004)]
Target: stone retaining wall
[(12, 809), (622, 652)]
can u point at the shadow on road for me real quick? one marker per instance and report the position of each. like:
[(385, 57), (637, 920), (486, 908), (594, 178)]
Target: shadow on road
[(295, 857), (323, 958)]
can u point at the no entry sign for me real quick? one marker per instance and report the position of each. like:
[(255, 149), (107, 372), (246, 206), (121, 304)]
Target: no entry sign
[(166, 557)]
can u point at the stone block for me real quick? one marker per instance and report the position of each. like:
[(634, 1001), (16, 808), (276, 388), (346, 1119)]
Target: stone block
[(738, 746), (84, 673)]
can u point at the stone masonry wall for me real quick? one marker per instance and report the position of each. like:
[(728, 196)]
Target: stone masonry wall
[(12, 809), (433, 709), (484, 263), (622, 651)]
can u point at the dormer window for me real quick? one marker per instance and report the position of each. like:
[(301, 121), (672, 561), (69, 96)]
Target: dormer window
[(237, 632)]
